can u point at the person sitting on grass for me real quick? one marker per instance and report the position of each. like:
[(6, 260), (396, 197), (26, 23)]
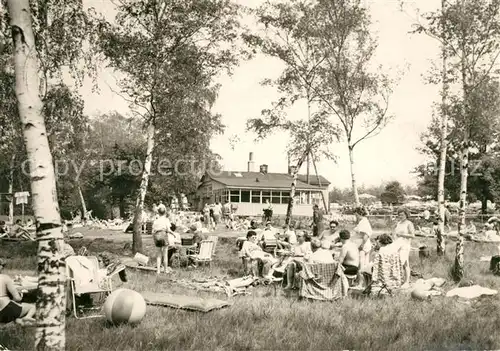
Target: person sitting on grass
[(253, 252), (161, 229), (11, 307), (349, 255), (320, 254)]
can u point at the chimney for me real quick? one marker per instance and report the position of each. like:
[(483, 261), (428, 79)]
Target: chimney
[(251, 164), (263, 169)]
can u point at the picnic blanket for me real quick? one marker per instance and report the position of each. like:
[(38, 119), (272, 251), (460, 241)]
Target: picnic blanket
[(322, 281), (192, 303)]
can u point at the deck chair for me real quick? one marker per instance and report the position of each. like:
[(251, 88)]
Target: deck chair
[(387, 274), (214, 239), (84, 278), (270, 242), (205, 254)]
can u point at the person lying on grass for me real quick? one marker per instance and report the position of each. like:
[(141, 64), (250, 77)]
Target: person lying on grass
[(18, 231), (252, 251), (301, 251), (11, 307)]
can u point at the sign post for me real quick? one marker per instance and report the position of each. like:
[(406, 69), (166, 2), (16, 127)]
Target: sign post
[(22, 198)]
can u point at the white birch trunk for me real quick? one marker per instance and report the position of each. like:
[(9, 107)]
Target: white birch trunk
[(353, 175), (441, 246), (82, 200), (51, 302), (11, 189), (293, 186), (139, 205)]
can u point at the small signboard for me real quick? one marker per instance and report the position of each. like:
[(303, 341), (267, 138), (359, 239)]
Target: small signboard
[(21, 197)]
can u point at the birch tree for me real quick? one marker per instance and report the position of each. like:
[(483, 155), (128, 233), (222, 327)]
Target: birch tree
[(165, 49), (288, 34), (50, 314), (471, 36), (353, 91)]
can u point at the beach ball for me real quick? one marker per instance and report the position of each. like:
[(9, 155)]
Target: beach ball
[(124, 306)]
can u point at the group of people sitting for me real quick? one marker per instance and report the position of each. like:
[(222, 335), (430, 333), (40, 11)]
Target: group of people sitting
[(333, 244)]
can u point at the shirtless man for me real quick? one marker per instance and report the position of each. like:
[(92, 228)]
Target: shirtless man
[(349, 256)]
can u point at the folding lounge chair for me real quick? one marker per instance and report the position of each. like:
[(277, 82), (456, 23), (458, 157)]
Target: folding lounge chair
[(387, 274), (79, 286), (214, 239), (205, 254)]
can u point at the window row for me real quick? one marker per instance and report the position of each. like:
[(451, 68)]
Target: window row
[(261, 196)]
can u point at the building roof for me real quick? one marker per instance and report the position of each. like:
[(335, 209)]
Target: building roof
[(265, 181)]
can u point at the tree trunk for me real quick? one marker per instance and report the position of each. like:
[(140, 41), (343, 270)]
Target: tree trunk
[(51, 301), (139, 205), (443, 148), (353, 175), (295, 173), (11, 189), (82, 200), (319, 183)]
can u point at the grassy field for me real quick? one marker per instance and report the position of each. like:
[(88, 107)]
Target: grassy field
[(264, 321)]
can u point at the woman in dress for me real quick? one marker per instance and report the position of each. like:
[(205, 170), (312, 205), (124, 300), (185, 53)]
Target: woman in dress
[(403, 233)]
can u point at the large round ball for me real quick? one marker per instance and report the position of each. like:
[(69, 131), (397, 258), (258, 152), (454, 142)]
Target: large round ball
[(124, 306)]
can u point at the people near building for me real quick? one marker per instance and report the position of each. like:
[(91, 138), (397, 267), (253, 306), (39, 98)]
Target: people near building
[(320, 254), (217, 213), (364, 229), (317, 220), (403, 233), (11, 307), (268, 211), (161, 230), (349, 255), (211, 212), (206, 215), (330, 235), (226, 213)]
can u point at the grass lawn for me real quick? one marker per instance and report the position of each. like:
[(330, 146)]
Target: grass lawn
[(264, 321)]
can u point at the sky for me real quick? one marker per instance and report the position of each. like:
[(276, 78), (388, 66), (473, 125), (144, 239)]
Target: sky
[(391, 155)]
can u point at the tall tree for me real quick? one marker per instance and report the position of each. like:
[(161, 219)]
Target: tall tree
[(352, 90), (288, 35), (471, 37), (50, 314), (169, 52)]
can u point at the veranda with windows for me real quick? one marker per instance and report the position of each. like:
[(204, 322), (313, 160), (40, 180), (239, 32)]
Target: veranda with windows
[(252, 201)]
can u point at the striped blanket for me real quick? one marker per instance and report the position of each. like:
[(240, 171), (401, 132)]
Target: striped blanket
[(322, 281)]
